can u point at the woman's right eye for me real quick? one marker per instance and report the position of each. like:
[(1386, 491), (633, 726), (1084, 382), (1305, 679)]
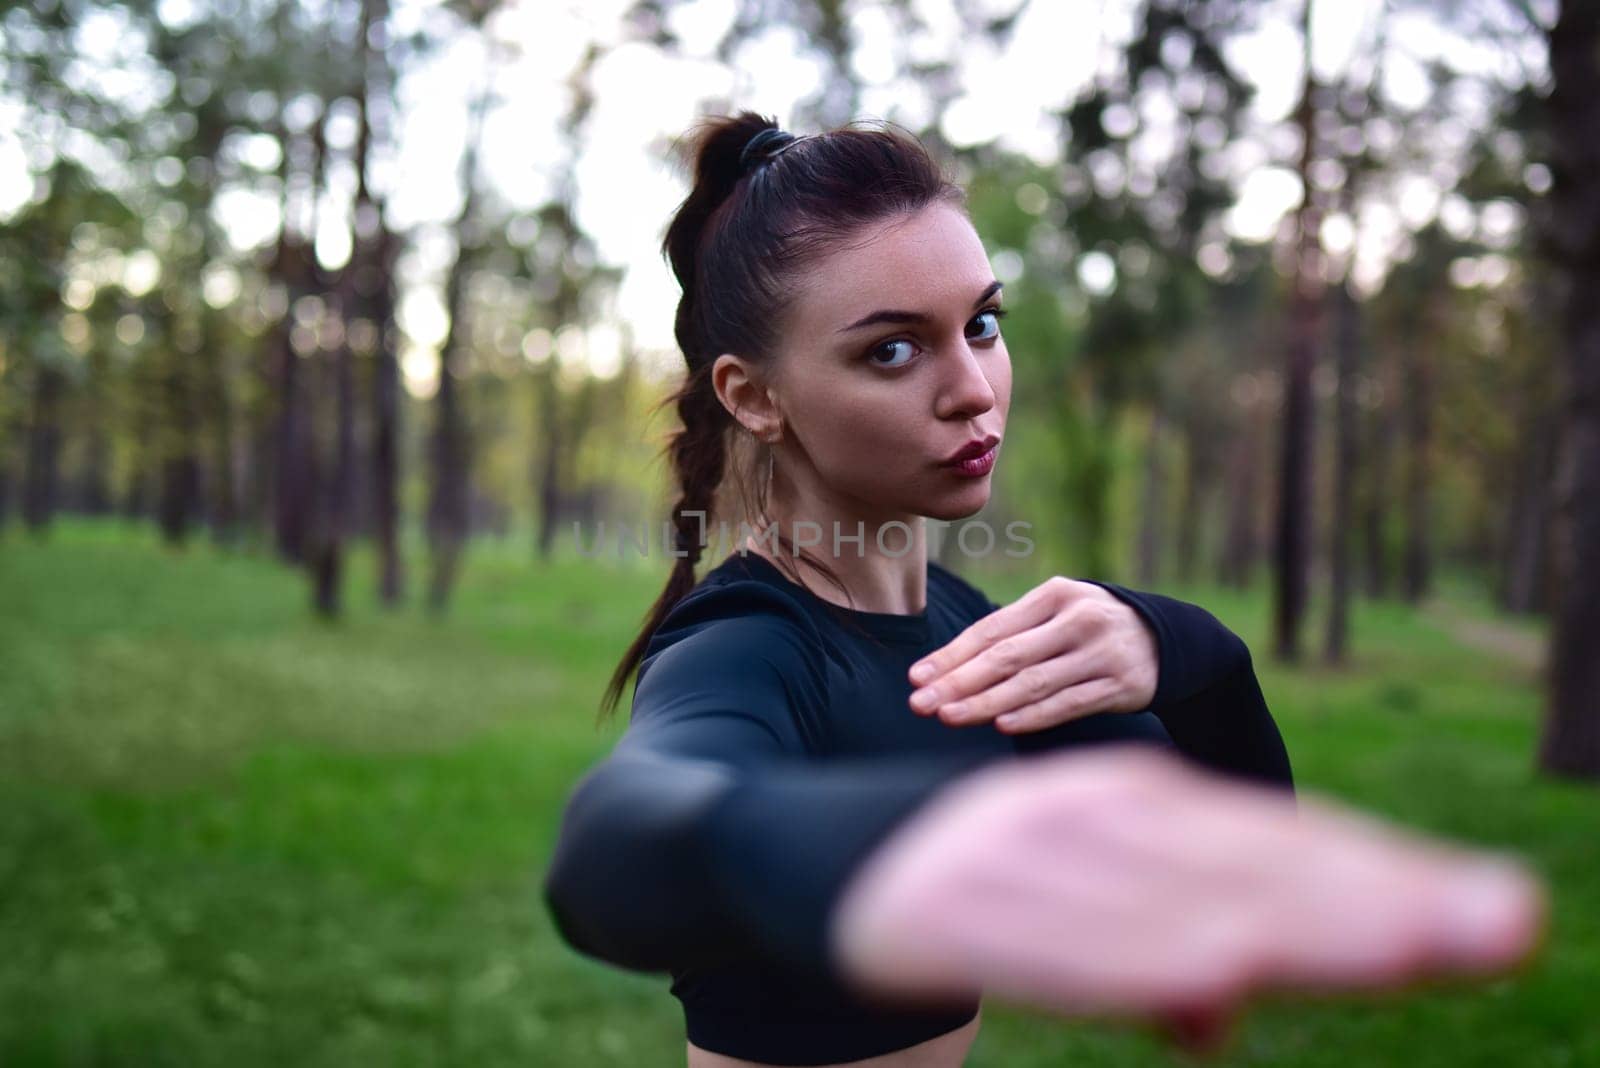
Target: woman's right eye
[(887, 347)]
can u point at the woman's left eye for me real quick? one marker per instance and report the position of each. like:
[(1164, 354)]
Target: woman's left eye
[(997, 314)]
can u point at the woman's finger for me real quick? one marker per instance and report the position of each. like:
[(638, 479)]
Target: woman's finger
[(996, 691), (1082, 698), (1019, 657), (1020, 654), (1028, 611)]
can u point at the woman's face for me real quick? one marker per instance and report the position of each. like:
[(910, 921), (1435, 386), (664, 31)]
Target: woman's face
[(892, 361)]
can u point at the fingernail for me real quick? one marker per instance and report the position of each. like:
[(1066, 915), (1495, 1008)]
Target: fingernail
[(921, 673), (928, 698)]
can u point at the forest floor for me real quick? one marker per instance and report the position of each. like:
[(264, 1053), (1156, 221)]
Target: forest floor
[(233, 835), (1520, 641)]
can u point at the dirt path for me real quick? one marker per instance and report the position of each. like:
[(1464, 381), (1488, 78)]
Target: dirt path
[(1507, 640)]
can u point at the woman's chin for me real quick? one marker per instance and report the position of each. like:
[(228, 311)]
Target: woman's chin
[(950, 507)]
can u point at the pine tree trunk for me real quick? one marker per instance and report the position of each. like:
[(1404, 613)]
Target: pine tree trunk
[(1382, 433), (386, 427), (448, 503), (179, 498), (1417, 571), (1525, 562), (548, 486), (1345, 461), (41, 469), (224, 487), (1570, 745), (1292, 544), (1241, 541)]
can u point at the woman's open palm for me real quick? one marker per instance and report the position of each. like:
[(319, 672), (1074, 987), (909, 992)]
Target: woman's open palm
[(1065, 649), (1124, 881)]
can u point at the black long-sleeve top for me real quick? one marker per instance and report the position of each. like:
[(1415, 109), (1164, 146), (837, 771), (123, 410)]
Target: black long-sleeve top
[(771, 748)]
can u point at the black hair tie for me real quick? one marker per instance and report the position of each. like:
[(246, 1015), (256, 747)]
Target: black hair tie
[(756, 150)]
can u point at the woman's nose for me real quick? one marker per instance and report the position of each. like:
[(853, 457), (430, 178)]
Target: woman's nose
[(966, 390)]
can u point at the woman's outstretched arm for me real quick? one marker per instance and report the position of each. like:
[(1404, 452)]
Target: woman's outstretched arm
[(1111, 880), (707, 834), (1122, 881)]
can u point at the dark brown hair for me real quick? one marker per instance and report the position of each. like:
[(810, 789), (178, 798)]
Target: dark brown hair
[(736, 243)]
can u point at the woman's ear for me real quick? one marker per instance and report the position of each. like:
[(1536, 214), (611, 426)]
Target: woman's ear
[(739, 387)]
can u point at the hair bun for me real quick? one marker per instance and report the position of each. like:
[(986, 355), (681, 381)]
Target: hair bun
[(763, 146)]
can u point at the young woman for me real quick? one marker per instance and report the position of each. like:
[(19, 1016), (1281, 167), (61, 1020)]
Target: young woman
[(854, 792)]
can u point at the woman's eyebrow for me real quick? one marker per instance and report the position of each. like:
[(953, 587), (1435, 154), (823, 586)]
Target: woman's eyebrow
[(890, 315)]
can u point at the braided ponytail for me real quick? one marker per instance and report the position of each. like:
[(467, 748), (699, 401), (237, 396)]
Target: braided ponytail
[(751, 223)]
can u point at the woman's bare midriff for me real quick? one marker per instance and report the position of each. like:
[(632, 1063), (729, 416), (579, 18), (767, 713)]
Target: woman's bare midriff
[(948, 1050)]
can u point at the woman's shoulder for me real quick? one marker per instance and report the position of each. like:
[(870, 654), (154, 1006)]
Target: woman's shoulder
[(738, 611), (737, 638)]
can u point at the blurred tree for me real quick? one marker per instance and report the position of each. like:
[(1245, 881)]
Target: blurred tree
[(562, 429), (1292, 540), (373, 284), (1571, 740), (451, 444), (361, 309), (1355, 102), (1144, 189), (44, 343)]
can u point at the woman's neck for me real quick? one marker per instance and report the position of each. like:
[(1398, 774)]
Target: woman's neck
[(884, 566)]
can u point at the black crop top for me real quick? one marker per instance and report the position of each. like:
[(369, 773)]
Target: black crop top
[(771, 748)]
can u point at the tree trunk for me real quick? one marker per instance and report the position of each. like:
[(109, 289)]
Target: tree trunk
[(177, 467), (1199, 476), (95, 480), (179, 496), (1417, 573), (290, 455), (1345, 461), (332, 516), (547, 480), (353, 302), (224, 486), (294, 268), (1292, 543), (448, 504), (1525, 562), (1382, 433), (1240, 541), (386, 424), (96, 491), (1570, 745), (41, 468)]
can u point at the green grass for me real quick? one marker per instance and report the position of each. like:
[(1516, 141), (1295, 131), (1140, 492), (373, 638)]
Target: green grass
[(231, 834)]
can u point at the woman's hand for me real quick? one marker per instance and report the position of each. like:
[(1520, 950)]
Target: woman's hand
[(1065, 649), (1123, 881)]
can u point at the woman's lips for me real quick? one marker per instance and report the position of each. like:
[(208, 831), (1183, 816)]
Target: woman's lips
[(975, 467)]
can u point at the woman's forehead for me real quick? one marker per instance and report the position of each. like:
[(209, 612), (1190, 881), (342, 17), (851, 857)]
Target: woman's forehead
[(922, 263)]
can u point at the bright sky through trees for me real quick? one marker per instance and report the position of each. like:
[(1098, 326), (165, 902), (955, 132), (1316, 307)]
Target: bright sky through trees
[(626, 190)]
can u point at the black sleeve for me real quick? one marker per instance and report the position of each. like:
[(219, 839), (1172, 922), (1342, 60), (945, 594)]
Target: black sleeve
[(1207, 696), (708, 834)]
